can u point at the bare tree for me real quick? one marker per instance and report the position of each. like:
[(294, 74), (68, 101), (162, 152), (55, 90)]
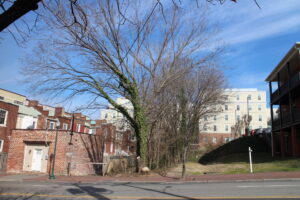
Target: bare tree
[(108, 49), (176, 111)]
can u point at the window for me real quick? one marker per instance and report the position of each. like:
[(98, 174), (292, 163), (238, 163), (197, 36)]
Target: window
[(3, 116), (215, 128), (205, 118), (1, 98), (51, 125), (226, 117), (65, 126), (78, 127), (114, 115), (215, 117), (205, 139), (259, 97), (214, 140), (238, 97), (259, 107), (226, 97), (260, 118), (238, 107), (205, 128), (18, 102), (92, 131), (226, 139), (106, 115), (260, 126), (238, 117), (226, 128), (1, 145), (226, 107)]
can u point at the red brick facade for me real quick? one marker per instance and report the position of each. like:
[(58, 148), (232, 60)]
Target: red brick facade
[(214, 138), (11, 121), (71, 159)]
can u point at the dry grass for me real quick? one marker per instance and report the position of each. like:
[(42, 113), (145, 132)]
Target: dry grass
[(239, 164)]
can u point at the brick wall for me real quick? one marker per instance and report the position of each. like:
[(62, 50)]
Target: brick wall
[(83, 150), (207, 138), (11, 122)]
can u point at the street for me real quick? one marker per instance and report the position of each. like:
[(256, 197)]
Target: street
[(229, 190)]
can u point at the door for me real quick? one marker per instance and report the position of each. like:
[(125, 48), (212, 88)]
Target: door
[(36, 160)]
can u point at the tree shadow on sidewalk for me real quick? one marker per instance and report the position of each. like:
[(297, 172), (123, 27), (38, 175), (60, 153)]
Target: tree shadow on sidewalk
[(98, 193)]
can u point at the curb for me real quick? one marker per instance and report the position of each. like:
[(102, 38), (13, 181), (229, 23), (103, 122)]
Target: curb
[(156, 182)]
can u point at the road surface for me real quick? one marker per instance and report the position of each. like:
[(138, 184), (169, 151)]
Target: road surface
[(147, 191)]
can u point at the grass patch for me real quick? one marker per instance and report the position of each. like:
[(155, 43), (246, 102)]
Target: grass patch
[(239, 164)]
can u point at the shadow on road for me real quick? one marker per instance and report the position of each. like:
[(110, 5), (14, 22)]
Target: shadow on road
[(98, 193), (163, 191)]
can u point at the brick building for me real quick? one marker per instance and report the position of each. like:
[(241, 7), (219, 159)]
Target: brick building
[(32, 151), (8, 121), (284, 84)]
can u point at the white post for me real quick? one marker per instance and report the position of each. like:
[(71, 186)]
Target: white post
[(250, 159)]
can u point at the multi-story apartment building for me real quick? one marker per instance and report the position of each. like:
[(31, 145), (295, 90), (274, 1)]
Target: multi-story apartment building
[(221, 127), (115, 117), (284, 84)]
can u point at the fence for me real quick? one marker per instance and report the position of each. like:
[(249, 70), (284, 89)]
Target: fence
[(3, 159), (120, 164)]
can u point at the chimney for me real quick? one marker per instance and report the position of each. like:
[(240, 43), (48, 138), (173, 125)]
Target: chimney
[(59, 111), (33, 103)]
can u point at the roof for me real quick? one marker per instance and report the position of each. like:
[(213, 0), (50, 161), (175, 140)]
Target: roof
[(28, 111), (295, 49), (241, 90), (12, 92)]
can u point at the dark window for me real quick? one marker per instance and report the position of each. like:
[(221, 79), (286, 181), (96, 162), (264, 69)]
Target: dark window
[(2, 117)]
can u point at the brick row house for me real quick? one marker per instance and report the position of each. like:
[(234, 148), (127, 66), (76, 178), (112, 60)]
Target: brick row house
[(28, 132), (284, 84)]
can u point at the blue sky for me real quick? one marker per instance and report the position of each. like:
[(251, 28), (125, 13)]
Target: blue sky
[(256, 40)]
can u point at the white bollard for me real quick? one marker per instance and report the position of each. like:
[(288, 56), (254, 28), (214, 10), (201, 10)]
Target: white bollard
[(250, 159)]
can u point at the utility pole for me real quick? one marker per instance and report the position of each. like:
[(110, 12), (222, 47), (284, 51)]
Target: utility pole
[(52, 176)]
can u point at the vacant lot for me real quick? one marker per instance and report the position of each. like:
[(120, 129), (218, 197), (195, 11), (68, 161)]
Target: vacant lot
[(239, 163)]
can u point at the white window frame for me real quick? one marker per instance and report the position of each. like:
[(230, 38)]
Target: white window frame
[(65, 126), (214, 140), (238, 117), (78, 127), (5, 117), (260, 118), (259, 97), (1, 145), (226, 128), (226, 117), (50, 125), (215, 128), (238, 107), (226, 107)]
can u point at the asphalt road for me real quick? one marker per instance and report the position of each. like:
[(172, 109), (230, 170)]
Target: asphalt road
[(147, 191)]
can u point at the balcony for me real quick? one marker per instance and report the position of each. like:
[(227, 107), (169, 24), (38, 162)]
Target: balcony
[(283, 90), (287, 120)]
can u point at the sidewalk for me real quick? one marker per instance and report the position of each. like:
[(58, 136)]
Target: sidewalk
[(156, 178)]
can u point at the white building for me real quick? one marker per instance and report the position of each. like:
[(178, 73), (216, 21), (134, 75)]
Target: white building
[(115, 117), (240, 102)]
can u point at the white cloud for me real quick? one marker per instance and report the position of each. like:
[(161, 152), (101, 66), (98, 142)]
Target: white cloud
[(243, 22)]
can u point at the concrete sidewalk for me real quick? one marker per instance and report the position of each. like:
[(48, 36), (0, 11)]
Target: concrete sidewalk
[(155, 178)]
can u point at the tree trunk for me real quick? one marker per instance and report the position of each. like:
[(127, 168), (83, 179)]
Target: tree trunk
[(183, 173)]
